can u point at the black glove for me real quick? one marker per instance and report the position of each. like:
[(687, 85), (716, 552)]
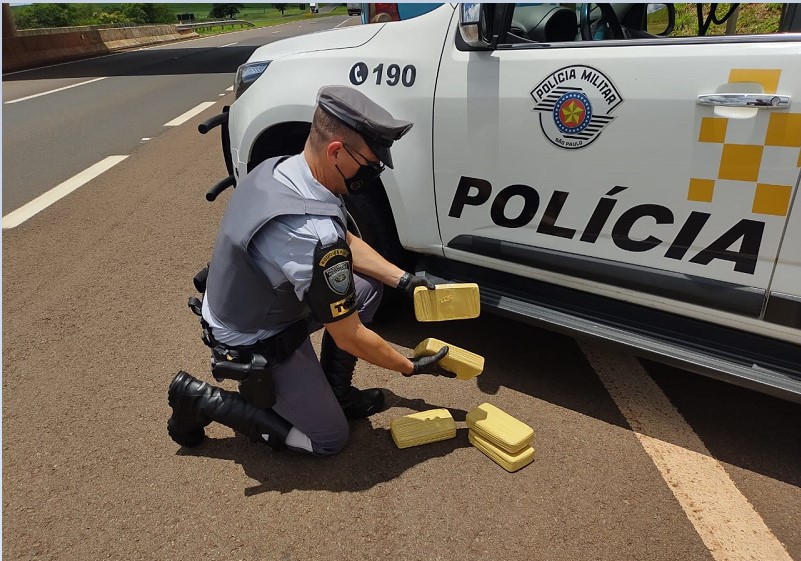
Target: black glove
[(428, 364), (409, 282)]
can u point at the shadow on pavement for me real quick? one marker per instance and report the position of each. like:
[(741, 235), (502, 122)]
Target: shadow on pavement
[(533, 361), (751, 430), (157, 60), (740, 427), (151, 62), (353, 469)]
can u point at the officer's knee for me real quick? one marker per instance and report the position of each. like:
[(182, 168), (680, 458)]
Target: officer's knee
[(333, 441), (368, 294)]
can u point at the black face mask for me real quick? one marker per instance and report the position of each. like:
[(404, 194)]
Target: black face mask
[(364, 176)]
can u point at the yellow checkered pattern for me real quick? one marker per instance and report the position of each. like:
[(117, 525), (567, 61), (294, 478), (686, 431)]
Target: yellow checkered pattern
[(742, 162)]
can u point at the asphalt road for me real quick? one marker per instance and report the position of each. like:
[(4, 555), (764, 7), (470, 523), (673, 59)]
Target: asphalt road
[(50, 138), (634, 460)]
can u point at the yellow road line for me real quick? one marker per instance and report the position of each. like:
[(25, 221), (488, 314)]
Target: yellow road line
[(723, 517)]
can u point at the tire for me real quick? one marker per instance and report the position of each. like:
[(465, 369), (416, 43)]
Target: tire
[(372, 215), (375, 224)]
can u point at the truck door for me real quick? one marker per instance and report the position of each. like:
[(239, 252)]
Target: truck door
[(620, 166)]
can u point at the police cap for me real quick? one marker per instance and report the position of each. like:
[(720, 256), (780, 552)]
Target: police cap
[(374, 123)]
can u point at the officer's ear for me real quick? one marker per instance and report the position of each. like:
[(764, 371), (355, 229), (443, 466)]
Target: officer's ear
[(333, 150)]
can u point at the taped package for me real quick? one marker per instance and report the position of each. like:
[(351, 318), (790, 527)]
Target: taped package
[(500, 428), (446, 302), (422, 428), (509, 462), (464, 364)]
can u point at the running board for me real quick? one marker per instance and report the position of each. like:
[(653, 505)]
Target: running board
[(751, 361)]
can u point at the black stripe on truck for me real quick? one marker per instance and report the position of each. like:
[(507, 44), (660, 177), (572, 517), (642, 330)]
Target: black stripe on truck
[(719, 295), (784, 309)]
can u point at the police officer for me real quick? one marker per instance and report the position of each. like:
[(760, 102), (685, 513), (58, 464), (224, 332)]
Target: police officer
[(285, 265)]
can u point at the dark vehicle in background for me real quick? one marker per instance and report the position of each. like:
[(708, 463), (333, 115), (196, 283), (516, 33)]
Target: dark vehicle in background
[(354, 9)]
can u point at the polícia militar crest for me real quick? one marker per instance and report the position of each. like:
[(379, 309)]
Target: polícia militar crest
[(574, 105)]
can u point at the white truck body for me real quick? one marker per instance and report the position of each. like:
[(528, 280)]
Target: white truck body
[(588, 166)]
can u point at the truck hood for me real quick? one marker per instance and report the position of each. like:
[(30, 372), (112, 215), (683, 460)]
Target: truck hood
[(342, 38)]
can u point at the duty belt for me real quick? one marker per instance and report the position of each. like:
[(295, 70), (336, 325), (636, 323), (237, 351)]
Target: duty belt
[(237, 362), (248, 364)]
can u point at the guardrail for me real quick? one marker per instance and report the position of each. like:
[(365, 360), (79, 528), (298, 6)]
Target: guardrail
[(210, 24), (48, 48)]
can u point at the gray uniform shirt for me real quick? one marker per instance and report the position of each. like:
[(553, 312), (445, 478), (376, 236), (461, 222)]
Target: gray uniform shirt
[(283, 249)]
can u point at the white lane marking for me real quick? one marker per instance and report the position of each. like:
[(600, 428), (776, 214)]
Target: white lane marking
[(229, 89), (54, 91), (228, 45), (181, 119), (279, 31), (724, 518), (343, 23), (145, 139), (23, 213), (221, 95)]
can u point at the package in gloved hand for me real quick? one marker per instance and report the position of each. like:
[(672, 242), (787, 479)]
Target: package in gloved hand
[(464, 364), (423, 428), (446, 302)]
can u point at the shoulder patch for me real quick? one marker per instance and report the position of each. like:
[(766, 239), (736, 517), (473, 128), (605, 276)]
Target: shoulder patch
[(338, 276), (332, 293)]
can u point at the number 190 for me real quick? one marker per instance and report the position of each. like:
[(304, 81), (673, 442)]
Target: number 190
[(395, 75)]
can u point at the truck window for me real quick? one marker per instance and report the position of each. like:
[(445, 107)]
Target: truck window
[(536, 24)]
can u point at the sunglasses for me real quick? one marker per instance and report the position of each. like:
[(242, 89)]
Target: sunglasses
[(375, 165)]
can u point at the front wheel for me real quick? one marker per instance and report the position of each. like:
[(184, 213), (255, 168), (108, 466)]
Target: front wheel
[(372, 221)]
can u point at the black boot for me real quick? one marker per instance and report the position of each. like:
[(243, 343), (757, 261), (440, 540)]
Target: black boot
[(195, 404), (338, 366)]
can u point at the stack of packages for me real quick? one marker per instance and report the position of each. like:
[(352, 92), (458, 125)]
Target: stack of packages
[(504, 439), (497, 434)]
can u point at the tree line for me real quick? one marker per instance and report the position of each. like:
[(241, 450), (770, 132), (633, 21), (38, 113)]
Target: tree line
[(68, 15)]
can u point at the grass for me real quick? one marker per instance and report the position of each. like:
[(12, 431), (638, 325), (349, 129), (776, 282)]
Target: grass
[(262, 15), (751, 19), (269, 16), (250, 12)]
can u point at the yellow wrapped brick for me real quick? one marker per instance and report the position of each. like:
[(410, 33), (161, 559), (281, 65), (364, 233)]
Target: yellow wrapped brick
[(509, 462), (464, 364), (447, 301), (422, 428), (500, 428)]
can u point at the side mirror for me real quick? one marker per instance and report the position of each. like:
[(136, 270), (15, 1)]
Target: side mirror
[(660, 19), (475, 24)]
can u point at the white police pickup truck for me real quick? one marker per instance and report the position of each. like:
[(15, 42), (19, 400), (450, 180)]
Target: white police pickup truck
[(592, 172)]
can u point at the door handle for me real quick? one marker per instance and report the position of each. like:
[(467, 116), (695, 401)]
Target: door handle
[(757, 101)]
